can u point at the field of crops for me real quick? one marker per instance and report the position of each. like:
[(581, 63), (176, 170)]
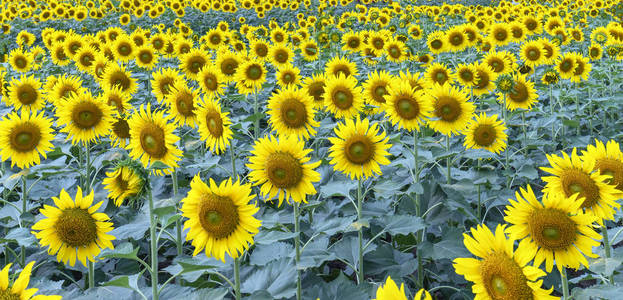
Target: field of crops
[(311, 149)]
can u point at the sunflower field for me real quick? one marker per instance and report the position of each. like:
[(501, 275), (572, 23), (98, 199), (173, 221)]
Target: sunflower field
[(311, 149)]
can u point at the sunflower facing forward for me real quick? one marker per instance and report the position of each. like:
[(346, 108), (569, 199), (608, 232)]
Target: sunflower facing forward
[(501, 272), (86, 118), (555, 230), (23, 138), (407, 107), (220, 217), (291, 112), (19, 291), (25, 94), (486, 132), (608, 161), (74, 229), (214, 126), (282, 168), (451, 108), (359, 148), (122, 183), (342, 96)]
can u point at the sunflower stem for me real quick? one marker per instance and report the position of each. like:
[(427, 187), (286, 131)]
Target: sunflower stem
[(91, 277), (525, 133), (237, 278), (178, 223), (234, 175), (551, 110), (448, 161), (418, 209), (24, 194), (297, 243), (478, 209), (564, 283), (256, 122), (506, 152), (87, 180), (153, 246), (577, 108), (360, 233), (604, 233)]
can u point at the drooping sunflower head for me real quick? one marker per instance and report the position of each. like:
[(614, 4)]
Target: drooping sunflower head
[(125, 181), (342, 96), (451, 108), (550, 77), (214, 125), (220, 217), (608, 161), (25, 94), (554, 229), (407, 107), (291, 113), (85, 118), (486, 132), (24, 137), (74, 229)]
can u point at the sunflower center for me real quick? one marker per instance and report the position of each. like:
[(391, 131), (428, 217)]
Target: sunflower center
[(576, 181), (501, 35), (120, 79), (8, 295), (86, 60), (447, 108), (121, 128), (341, 69), (579, 69), (21, 62), (533, 54), (229, 66), (343, 98), (122, 184), (281, 56), (467, 75), (288, 78), (359, 149), (316, 90), (196, 63), (165, 85), (153, 141), (594, 52), (497, 65), (519, 93), (407, 108), (27, 94), (185, 104), (284, 170), (503, 278), (124, 50), (293, 113), (218, 215), (440, 77), (214, 123), (456, 39), (484, 135), (483, 80), (436, 44), (353, 43), (254, 72), (25, 137), (378, 43), (86, 115), (145, 57), (551, 228), (261, 50), (210, 82), (76, 227), (215, 39), (612, 167), (566, 65), (394, 52)]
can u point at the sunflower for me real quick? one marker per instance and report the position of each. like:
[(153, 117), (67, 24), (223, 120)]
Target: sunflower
[(86, 118), (342, 96), (259, 49), (98, 67), (220, 217), (210, 81), (183, 103), (608, 161), (214, 125), (500, 34), (117, 99), (359, 148), (406, 106), (85, 57), (341, 65), (553, 230), (64, 87), (522, 95), (532, 53), (352, 41), (280, 55), (466, 75), (123, 48), (486, 132), (376, 88), (309, 49), (25, 94), (74, 229), (595, 52), (116, 75), (396, 51), (288, 76), (499, 62), (250, 76), (438, 74), (376, 41), (456, 39), (314, 85), (20, 61), (502, 272), (582, 68), (24, 137), (227, 63), (163, 82), (120, 133), (282, 168), (152, 139), (552, 51), (214, 38), (291, 113), (18, 290), (436, 42), (146, 57), (192, 62), (122, 183), (390, 291), (572, 175), (452, 109), (413, 79)]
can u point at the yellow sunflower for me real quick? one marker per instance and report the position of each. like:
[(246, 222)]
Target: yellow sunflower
[(554, 230), (116, 75), (192, 62), (523, 94), (74, 229), (282, 168), (396, 51), (390, 291), (20, 61), (117, 99), (407, 107), (359, 148), (122, 183), (182, 102), (227, 63), (64, 87), (291, 112), (25, 94), (120, 133), (220, 217), (85, 118), (608, 161), (19, 291), (582, 68), (438, 74), (451, 108), (341, 65), (214, 125), (259, 49), (85, 57), (502, 272), (467, 75), (280, 55), (376, 88), (23, 138), (211, 81), (288, 76), (250, 76), (314, 86), (146, 57), (342, 96), (486, 132), (163, 82), (485, 83), (572, 175), (436, 42), (309, 49), (532, 53), (500, 34), (152, 139), (499, 62)]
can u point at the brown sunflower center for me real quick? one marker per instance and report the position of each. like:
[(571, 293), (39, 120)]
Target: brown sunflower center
[(27, 94), (503, 278), (485, 135), (456, 39), (579, 68), (497, 64), (87, 59), (121, 79), (394, 51), (341, 69), (359, 149), (25, 137), (467, 75), (125, 49), (229, 66), (121, 128), (86, 115), (293, 113), (566, 65), (281, 56), (195, 63), (316, 90), (594, 52), (218, 215), (612, 167), (378, 43), (440, 76), (76, 227), (519, 93), (21, 62), (407, 108), (185, 104), (261, 50), (254, 72), (214, 123), (447, 108), (533, 54), (215, 39), (379, 93), (501, 35), (552, 229), (153, 141), (165, 85), (121, 183), (354, 43), (342, 98), (436, 44), (210, 82), (146, 57), (576, 181), (531, 24), (284, 170)]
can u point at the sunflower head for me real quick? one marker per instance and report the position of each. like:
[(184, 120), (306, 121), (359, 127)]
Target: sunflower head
[(486, 132), (125, 181), (24, 137)]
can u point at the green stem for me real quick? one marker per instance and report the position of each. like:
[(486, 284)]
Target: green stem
[(297, 243), (604, 233), (178, 223), (91, 277), (448, 161), (525, 133), (507, 151), (551, 110), (234, 175), (577, 108), (153, 246), (478, 209), (256, 122), (87, 185), (564, 283), (24, 194), (360, 233), (419, 234), (237, 278)]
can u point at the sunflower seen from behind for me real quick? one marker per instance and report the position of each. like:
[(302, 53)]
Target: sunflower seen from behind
[(451, 108), (486, 132), (220, 217), (291, 112), (407, 107), (18, 290), (214, 125), (608, 161), (555, 229), (282, 168), (73, 229), (359, 148), (84, 117), (500, 271), (342, 96), (25, 137)]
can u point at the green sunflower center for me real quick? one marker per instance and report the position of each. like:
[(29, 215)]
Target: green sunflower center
[(467, 75), (394, 52), (552, 229), (125, 50), (7, 295), (293, 113), (25, 137), (218, 215), (448, 108), (214, 123), (342, 98), (440, 76), (254, 72), (146, 57), (359, 149), (27, 94), (353, 43), (503, 278), (407, 108), (153, 141), (86, 115), (185, 104), (576, 181), (485, 135), (284, 170), (76, 227)]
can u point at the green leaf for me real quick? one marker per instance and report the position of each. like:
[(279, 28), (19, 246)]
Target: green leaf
[(263, 254), (598, 292), (269, 237), (124, 250), (276, 278), (402, 224), (338, 188), (332, 225)]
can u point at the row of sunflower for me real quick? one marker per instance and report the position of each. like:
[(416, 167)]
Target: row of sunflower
[(190, 76)]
